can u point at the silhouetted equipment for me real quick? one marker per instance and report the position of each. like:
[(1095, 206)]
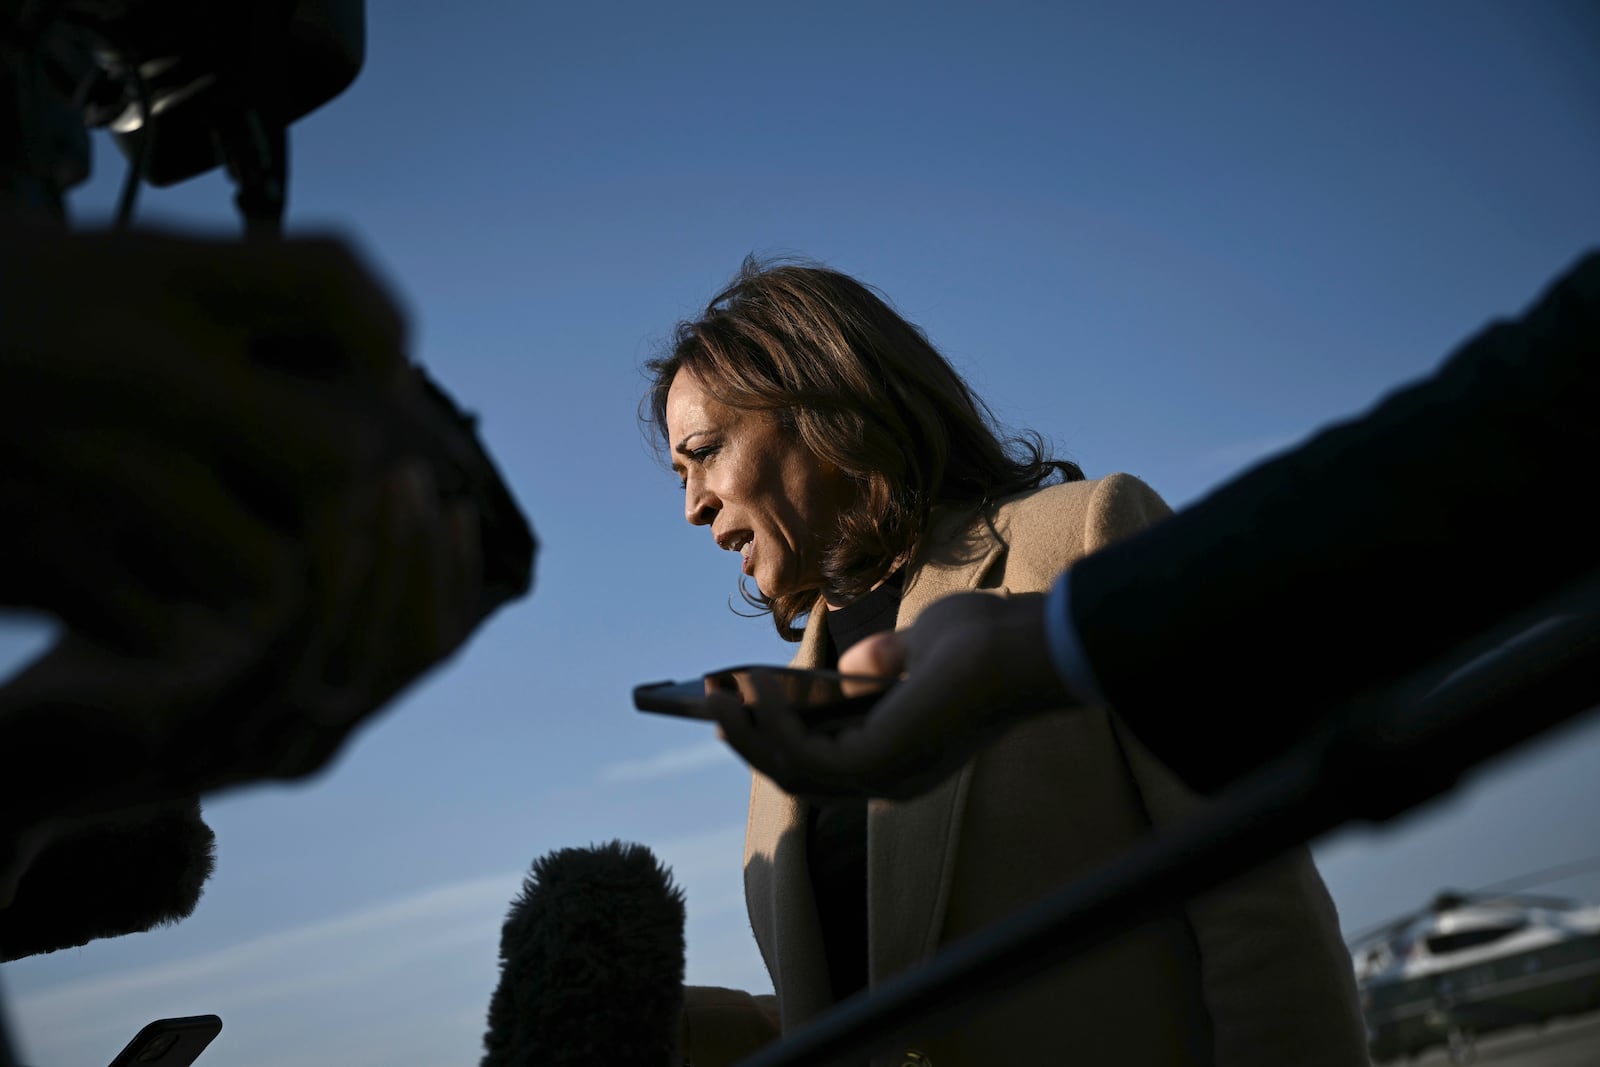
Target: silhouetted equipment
[(591, 959), (183, 86), (188, 85), (117, 875)]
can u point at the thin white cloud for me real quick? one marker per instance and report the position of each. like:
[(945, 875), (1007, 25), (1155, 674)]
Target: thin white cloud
[(664, 764), (268, 966)]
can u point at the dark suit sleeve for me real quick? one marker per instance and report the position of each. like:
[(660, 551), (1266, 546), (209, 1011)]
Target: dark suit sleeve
[(1372, 548)]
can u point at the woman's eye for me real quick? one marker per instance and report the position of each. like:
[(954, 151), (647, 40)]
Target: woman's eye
[(696, 456)]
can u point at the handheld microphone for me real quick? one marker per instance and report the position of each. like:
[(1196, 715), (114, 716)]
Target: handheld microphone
[(591, 964)]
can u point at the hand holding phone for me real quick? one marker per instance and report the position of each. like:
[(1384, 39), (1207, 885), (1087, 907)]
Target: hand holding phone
[(824, 700)]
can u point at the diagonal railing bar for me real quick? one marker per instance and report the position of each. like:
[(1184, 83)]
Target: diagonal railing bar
[(1386, 754)]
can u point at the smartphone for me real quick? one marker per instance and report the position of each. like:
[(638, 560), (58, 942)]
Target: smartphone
[(823, 699), (170, 1042)]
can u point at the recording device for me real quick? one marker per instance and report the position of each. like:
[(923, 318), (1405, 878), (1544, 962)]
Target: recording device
[(185, 86), (447, 437), (119, 874), (591, 964), (170, 1042), (182, 85), (824, 700)]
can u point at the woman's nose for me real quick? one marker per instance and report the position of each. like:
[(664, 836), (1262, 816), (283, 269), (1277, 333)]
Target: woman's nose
[(700, 507)]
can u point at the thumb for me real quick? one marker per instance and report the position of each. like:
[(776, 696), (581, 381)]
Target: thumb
[(881, 654)]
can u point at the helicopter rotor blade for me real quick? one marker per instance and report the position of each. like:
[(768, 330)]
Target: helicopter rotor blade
[(1544, 875), (1387, 927), (1506, 890)]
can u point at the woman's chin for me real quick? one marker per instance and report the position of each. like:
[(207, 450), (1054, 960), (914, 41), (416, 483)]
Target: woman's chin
[(772, 586)]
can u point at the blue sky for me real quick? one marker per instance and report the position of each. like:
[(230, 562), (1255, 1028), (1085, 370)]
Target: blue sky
[(1171, 240)]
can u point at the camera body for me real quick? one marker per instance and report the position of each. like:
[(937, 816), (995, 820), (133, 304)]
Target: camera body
[(182, 85), (185, 86)]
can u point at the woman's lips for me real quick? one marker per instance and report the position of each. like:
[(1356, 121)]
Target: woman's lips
[(744, 561)]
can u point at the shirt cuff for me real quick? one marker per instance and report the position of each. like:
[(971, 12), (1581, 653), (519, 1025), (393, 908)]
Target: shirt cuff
[(1066, 650)]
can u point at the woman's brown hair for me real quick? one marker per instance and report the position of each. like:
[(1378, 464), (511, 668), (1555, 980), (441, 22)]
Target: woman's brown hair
[(864, 390)]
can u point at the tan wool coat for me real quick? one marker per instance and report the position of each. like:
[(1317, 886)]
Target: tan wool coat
[(1254, 974)]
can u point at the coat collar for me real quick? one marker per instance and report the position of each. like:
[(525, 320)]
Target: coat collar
[(910, 844)]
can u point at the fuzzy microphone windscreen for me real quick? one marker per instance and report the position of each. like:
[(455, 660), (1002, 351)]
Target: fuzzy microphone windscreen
[(116, 875), (591, 964)]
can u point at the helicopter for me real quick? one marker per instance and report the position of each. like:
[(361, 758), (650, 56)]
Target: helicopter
[(1472, 963)]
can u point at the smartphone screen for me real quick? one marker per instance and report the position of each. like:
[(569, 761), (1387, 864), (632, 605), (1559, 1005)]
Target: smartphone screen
[(823, 699)]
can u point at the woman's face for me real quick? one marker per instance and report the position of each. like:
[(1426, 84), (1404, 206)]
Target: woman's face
[(764, 495)]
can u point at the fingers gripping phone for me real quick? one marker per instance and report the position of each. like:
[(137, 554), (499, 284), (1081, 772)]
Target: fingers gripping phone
[(823, 699), (170, 1042)]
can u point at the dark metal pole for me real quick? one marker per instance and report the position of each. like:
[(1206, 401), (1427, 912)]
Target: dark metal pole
[(1386, 755)]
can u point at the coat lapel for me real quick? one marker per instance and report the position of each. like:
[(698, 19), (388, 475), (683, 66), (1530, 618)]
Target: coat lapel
[(777, 881), (911, 845)]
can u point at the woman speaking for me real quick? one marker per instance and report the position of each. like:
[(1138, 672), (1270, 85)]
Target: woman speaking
[(821, 437)]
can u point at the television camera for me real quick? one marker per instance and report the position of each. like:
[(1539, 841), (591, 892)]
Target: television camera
[(185, 86)]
